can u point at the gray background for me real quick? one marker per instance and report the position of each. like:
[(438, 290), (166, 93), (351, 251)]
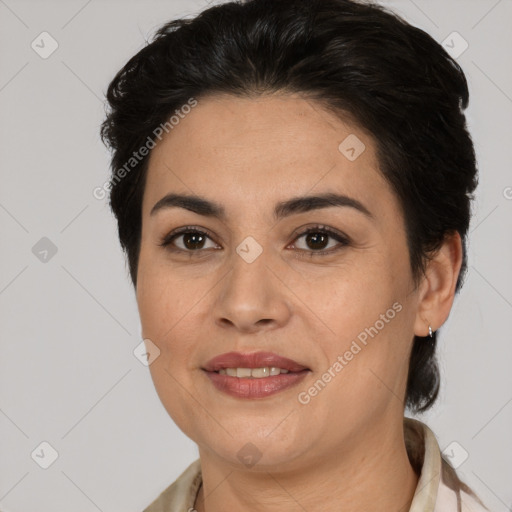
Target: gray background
[(69, 323)]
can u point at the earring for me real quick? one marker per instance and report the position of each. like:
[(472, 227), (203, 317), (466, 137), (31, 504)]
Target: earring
[(430, 331)]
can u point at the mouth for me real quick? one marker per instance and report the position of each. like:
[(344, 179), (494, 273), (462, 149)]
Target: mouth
[(253, 373), (253, 361), (256, 375)]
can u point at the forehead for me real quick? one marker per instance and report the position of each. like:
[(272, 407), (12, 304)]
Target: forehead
[(248, 151)]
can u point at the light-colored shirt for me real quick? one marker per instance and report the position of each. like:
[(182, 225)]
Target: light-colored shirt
[(439, 489)]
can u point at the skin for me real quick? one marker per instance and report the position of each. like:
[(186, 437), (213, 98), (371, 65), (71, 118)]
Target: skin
[(247, 155)]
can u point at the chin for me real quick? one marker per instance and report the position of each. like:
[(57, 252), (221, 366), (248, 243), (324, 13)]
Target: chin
[(255, 449)]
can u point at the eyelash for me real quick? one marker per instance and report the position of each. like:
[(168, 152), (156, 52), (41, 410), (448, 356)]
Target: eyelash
[(320, 229)]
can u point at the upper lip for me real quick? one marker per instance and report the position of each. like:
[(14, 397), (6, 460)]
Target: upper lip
[(253, 360)]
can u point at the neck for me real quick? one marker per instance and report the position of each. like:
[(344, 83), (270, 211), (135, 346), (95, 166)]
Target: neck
[(374, 475)]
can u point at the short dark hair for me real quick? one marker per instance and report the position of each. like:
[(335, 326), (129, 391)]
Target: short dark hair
[(357, 59)]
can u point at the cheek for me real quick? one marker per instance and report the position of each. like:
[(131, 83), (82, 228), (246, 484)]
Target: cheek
[(361, 323), (167, 314), (348, 299), (172, 316), (162, 300)]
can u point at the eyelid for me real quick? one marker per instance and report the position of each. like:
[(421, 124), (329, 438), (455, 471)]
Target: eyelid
[(304, 230)]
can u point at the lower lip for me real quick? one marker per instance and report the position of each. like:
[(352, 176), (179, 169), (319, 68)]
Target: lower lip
[(240, 387)]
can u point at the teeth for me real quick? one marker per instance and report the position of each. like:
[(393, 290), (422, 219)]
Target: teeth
[(255, 373), (243, 372)]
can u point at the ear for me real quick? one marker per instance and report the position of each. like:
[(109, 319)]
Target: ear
[(437, 289)]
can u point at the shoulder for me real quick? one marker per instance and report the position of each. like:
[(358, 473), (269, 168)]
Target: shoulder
[(439, 487), (448, 501), (469, 504), (181, 494)]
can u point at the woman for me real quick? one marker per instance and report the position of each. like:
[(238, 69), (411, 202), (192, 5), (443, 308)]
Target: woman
[(292, 183)]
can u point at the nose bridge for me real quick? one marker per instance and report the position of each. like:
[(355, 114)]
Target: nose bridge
[(249, 268), (251, 293)]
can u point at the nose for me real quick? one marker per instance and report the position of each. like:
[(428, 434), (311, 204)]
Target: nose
[(252, 297)]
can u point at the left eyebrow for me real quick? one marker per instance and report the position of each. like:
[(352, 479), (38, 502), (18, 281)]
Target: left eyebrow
[(308, 203), (301, 204)]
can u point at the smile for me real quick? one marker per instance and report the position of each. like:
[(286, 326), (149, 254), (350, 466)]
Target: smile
[(255, 373)]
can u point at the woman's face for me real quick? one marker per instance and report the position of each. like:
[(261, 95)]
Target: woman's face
[(339, 303)]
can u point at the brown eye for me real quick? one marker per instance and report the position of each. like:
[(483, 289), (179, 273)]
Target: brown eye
[(188, 240), (321, 241), (316, 240), (193, 240)]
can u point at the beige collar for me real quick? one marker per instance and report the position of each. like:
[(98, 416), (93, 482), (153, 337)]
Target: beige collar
[(425, 457)]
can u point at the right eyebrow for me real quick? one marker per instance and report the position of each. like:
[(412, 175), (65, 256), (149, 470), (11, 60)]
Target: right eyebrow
[(195, 204)]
